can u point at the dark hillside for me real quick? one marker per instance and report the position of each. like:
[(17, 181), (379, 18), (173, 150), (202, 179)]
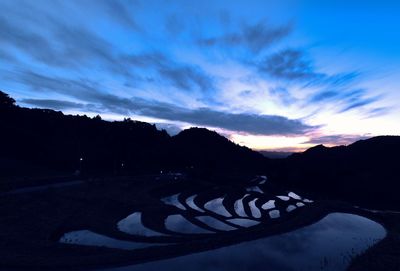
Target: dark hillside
[(365, 171), (210, 152), (41, 140)]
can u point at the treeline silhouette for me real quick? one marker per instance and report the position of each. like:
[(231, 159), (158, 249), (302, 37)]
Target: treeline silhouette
[(48, 141)]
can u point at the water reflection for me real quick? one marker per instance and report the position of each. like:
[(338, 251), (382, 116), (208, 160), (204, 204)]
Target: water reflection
[(239, 207), (179, 224), (290, 208), (89, 238), (243, 222), (132, 224), (185, 213), (217, 206), (255, 212), (174, 201), (274, 214), (215, 223), (191, 204), (269, 205), (326, 245)]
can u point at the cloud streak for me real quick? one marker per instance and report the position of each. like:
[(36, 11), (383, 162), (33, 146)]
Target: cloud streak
[(335, 139), (293, 67), (96, 99), (78, 48), (248, 123), (53, 104), (175, 65), (288, 64), (254, 37)]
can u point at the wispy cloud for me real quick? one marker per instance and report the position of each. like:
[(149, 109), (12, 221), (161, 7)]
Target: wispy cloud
[(250, 123), (121, 57), (254, 37), (182, 76), (336, 139), (294, 67), (120, 11), (377, 112), (94, 98), (53, 104), (354, 103), (288, 64), (283, 94), (346, 98), (77, 48)]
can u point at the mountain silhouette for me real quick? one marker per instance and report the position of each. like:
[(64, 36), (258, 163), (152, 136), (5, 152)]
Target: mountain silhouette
[(39, 141), (210, 155), (43, 142), (366, 171)]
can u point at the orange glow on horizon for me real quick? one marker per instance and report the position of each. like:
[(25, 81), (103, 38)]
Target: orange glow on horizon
[(272, 143)]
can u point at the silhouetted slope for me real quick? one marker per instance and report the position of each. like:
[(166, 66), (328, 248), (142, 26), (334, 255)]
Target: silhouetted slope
[(209, 151), (365, 171), (47, 140), (51, 139), (275, 154)]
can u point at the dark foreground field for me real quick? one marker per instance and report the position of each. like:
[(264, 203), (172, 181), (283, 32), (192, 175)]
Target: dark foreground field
[(33, 222)]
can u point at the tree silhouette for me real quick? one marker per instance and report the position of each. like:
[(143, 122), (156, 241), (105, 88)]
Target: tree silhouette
[(6, 101), (55, 142)]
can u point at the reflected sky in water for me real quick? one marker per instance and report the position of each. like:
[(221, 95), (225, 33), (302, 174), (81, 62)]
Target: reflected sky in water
[(326, 245)]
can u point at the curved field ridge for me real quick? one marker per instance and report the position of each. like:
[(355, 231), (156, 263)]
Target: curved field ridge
[(186, 215)]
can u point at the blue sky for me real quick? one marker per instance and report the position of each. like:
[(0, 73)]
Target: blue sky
[(274, 75)]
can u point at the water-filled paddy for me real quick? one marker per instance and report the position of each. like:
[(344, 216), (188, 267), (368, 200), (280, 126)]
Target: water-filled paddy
[(329, 244)]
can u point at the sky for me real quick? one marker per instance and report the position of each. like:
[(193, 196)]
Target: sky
[(271, 75)]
